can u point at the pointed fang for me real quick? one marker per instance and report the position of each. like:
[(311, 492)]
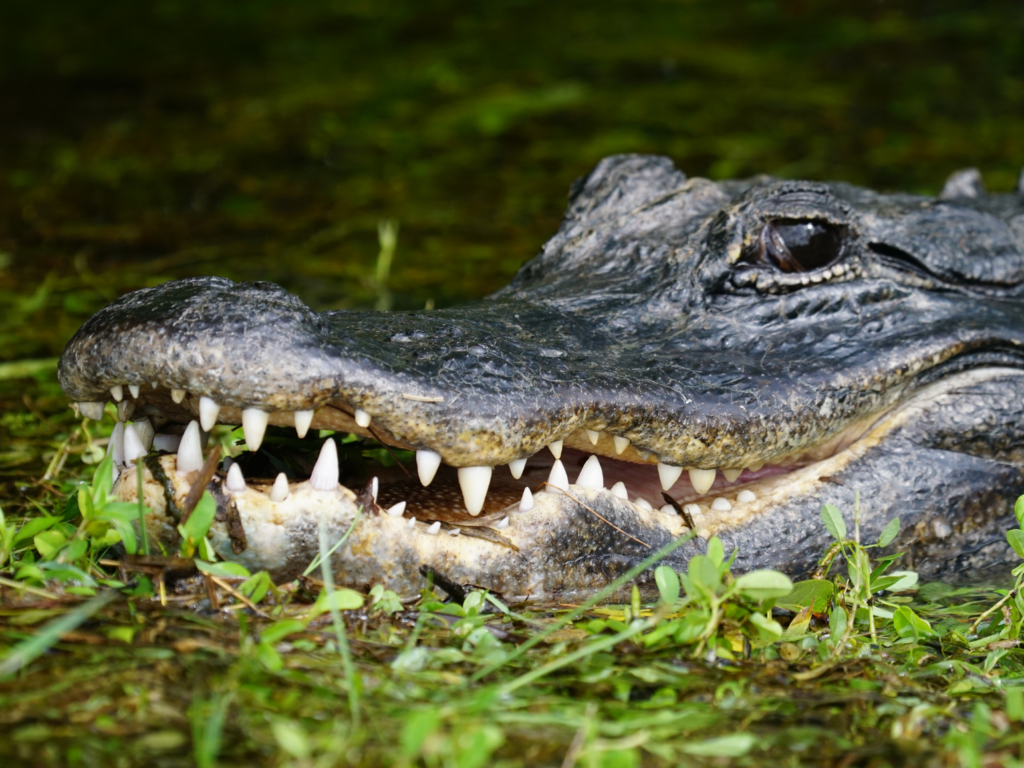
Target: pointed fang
[(594, 436), (208, 412), (702, 479), (177, 395), (427, 462), (117, 392), (325, 472), (254, 425), (668, 475), (434, 528), (621, 444), (731, 475), (516, 467), (133, 446), (558, 479), (303, 419), (474, 482), (235, 482), (619, 489), (190, 449), (280, 490), (526, 503), (134, 390), (397, 510), (362, 418), (591, 476), (556, 449), (502, 524)]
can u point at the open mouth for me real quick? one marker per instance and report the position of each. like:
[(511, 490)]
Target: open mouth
[(427, 490)]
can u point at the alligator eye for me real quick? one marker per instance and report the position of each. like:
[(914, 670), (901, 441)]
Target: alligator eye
[(796, 246)]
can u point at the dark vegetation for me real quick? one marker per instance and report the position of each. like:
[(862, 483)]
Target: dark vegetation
[(262, 140)]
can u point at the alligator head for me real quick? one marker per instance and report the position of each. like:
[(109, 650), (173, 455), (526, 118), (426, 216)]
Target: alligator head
[(735, 353)]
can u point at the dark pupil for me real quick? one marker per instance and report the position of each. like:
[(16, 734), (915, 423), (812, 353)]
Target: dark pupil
[(812, 244)]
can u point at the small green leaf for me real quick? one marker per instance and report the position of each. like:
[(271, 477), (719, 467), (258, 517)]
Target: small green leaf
[(770, 629), (48, 543), (34, 526), (198, 523), (716, 551), (222, 569), (733, 745), (1016, 539), (1018, 511), (833, 521), (837, 624), (812, 593), (909, 624), (418, 727), (256, 586), (281, 629), (764, 584), (292, 738), (342, 599), (889, 532), (668, 584)]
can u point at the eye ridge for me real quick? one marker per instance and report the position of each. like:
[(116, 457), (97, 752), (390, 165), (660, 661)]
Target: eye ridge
[(796, 245)]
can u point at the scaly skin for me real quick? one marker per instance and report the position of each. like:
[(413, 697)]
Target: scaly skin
[(681, 314)]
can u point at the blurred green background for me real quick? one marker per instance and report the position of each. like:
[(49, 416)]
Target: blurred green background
[(261, 139)]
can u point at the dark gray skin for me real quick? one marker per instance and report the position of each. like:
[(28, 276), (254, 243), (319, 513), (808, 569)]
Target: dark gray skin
[(691, 318)]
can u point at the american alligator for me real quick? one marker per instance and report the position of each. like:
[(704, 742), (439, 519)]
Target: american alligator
[(751, 349)]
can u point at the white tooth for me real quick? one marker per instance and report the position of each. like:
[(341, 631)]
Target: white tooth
[(117, 392), (92, 411), (746, 496), (591, 475), (235, 482), (125, 409), (254, 425), (434, 528), (155, 384), (702, 479), (755, 467), (190, 449), (454, 531), (721, 505), (731, 474), (668, 509), (594, 436), (116, 445), (134, 389), (427, 462), (145, 431), (167, 443), (280, 490), (325, 472), (133, 447), (303, 419), (502, 524), (177, 395), (208, 412), (621, 444), (397, 510), (692, 509), (644, 504), (516, 467), (619, 489), (374, 487), (556, 449), (668, 475), (411, 524), (362, 418), (526, 503), (474, 482), (557, 477)]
